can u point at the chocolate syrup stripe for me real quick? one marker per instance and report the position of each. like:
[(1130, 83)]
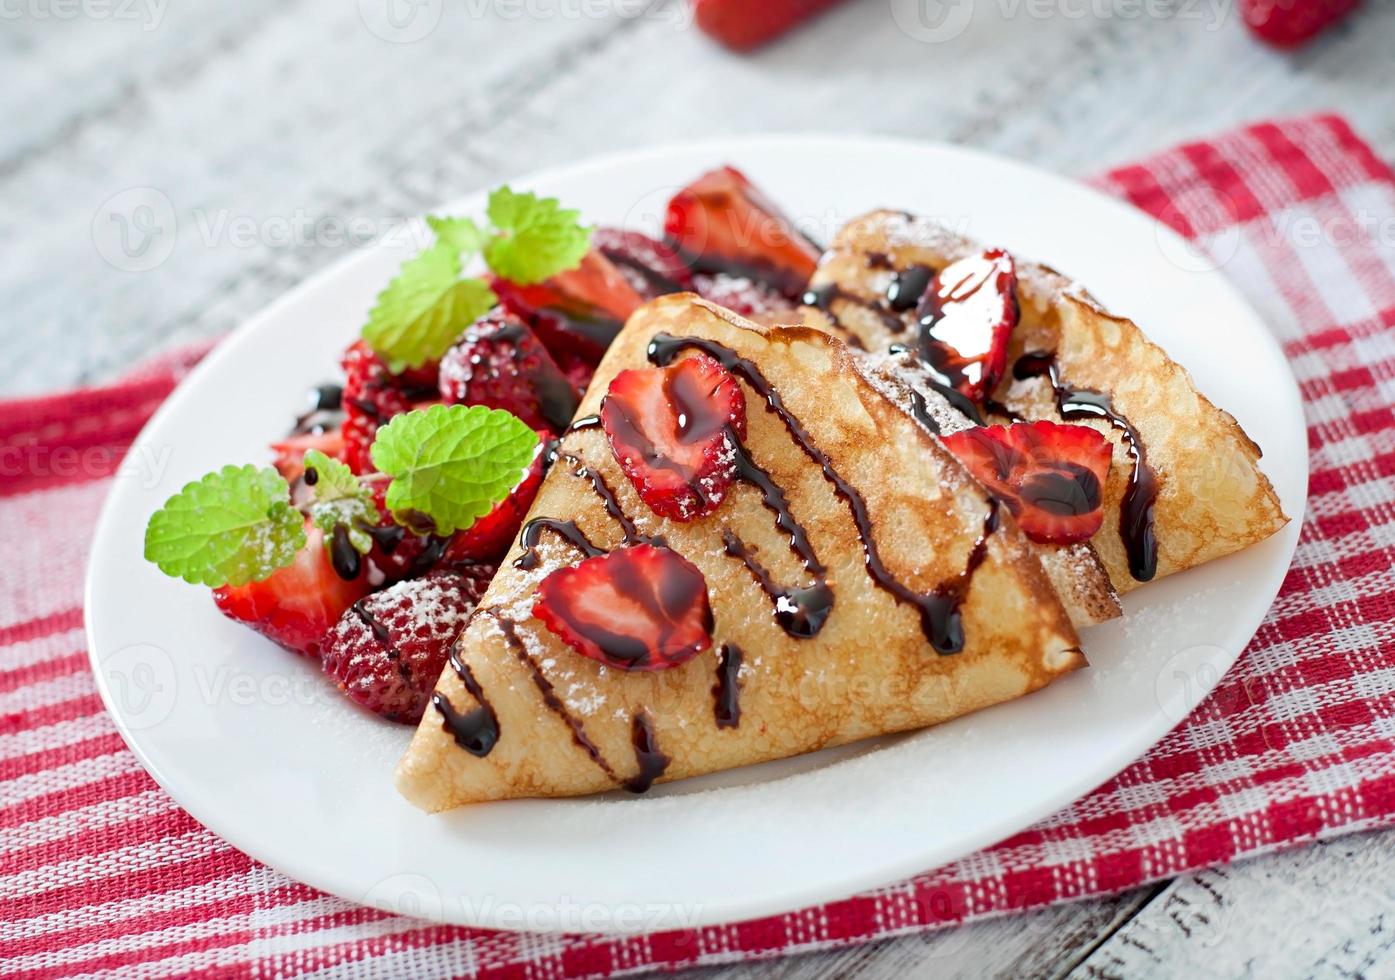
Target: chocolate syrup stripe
[(939, 608), (549, 694), (726, 692), (384, 637), (649, 760), (476, 731), (1136, 509)]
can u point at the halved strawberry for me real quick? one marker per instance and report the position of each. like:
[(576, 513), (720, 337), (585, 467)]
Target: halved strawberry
[(499, 362), (749, 297), (291, 450), (639, 608), (486, 540), (722, 223), (668, 429), (651, 267), (298, 604), (575, 333), (1048, 474), (966, 320)]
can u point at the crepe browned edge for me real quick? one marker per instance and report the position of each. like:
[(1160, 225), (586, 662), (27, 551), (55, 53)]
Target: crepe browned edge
[(869, 672), (1213, 498)]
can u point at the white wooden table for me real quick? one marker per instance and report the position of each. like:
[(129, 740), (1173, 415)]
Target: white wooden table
[(271, 129)]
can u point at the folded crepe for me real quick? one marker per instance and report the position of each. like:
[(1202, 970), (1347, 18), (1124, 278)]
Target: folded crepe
[(860, 582), (1184, 486)]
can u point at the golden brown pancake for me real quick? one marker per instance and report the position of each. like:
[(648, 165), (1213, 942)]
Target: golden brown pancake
[(538, 719)]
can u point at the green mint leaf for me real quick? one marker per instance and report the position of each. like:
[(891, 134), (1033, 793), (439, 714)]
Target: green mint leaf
[(533, 237), (462, 234), (452, 463), (422, 311), (339, 498), (232, 527)]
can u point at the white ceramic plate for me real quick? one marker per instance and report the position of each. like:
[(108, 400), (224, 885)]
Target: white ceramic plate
[(259, 748)]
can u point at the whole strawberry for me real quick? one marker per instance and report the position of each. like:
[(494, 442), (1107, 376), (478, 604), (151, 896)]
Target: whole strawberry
[(372, 396), (388, 649), (1290, 23), (499, 362)]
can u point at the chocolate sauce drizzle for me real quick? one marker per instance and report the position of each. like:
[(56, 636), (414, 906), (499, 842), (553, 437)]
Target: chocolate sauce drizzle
[(823, 297), (343, 556), (1136, 509), (939, 609), (325, 411), (651, 760), (567, 530), (800, 612), (920, 410), (609, 501), (384, 637), (550, 698), (583, 423), (477, 730), (727, 690), (941, 386)]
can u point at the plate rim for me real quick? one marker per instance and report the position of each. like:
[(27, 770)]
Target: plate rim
[(769, 901)]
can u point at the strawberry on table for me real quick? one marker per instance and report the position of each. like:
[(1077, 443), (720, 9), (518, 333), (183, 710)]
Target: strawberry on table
[(1291, 23), (499, 362), (640, 608), (668, 428), (743, 25), (387, 650), (1050, 475), (722, 223)]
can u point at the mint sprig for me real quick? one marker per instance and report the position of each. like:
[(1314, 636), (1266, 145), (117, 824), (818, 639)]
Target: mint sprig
[(426, 306), (452, 463), (339, 498), (534, 237), (234, 526)]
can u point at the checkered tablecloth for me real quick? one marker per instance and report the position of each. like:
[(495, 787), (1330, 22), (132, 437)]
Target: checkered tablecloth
[(102, 873)]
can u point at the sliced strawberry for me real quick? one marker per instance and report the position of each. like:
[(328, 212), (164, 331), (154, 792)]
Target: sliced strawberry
[(749, 297), (668, 429), (597, 283), (1048, 474), (722, 223), (486, 540), (651, 267), (967, 316), (499, 362), (575, 333), (298, 604), (387, 650), (639, 608), (291, 450), (1291, 23)]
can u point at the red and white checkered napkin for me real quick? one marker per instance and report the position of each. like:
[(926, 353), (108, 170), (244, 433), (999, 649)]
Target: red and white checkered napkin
[(101, 871)]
